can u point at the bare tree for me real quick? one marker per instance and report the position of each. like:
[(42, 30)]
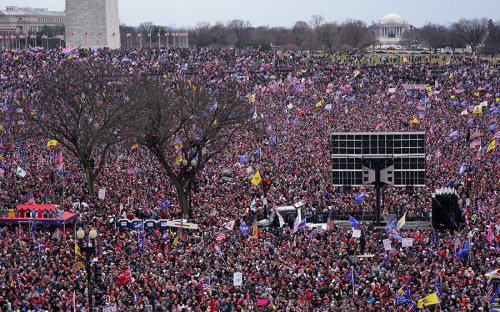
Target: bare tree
[(201, 35), (329, 36), (410, 39), (219, 32), (357, 34), (241, 30), (433, 36), (82, 105), (180, 122), (279, 35), (471, 31)]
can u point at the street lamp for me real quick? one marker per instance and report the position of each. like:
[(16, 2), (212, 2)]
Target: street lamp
[(189, 170), (88, 250)]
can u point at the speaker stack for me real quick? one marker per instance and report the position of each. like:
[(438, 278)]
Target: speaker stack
[(446, 214)]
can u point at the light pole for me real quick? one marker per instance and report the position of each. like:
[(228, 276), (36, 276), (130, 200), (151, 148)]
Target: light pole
[(88, 250), (189, 170)]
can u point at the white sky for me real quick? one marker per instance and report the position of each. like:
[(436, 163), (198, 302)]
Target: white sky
[(285, 13)]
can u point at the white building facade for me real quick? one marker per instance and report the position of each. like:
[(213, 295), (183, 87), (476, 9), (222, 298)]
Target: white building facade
[(92, 23), (390, 29)]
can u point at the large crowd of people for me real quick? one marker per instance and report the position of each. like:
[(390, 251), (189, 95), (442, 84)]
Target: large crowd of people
[(301, 98)]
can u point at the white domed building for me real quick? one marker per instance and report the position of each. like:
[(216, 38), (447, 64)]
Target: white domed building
[(390, 29)]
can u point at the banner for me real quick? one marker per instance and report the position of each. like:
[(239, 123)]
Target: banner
[(356, 233), (109, 308), (238, 279), (124, 277), (102, 193), (407, 242), (387, 244)]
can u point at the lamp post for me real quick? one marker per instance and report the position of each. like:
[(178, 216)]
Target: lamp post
[(189, 170), (88, 250)]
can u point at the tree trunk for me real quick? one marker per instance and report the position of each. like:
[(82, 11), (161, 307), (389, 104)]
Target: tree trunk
[(90, 181), (182, 196)]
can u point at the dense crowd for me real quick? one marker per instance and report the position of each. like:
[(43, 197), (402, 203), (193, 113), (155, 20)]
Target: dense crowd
[(301, 98)]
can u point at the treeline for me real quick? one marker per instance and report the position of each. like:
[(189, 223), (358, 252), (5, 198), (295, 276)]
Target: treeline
[(480, 35)]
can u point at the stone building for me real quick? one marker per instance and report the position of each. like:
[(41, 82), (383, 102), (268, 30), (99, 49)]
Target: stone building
[(16, 21), (91, 23), (390, 29)]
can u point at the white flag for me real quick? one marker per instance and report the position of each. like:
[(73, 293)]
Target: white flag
[(229, 225), (253, 206), (20, 172), (280, 218), (464, 112)]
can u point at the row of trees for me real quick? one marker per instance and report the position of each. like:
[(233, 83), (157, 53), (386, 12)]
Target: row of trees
[(479, 34), (318, 34), (96, 111)]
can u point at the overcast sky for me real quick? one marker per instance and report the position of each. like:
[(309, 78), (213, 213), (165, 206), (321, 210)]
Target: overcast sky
[(285, 13)]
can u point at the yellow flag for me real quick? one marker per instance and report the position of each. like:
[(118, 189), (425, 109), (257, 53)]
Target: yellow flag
[(252, 98), (256, 179), (79, 265), (477, 110), (1, 127), (254, 228), (318, 104), (52, 143), (429, 300), (77, 250), (452, 97), (176, 241), (33, 113), (491, 146), (401, 222), (178, 145), (497, 99), (215, 121), (428, 89), (451, 76), (414, 120), (178, 159), (476, 93)]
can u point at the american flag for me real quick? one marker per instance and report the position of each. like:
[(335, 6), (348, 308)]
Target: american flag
[(329, 223), (205, 285), (85, 35), (98, 35), (220, 237), (489, 289), (32, 36), (112, 35), (129, 34), (438, 153)]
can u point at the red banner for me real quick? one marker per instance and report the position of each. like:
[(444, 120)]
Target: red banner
[(124, 277)]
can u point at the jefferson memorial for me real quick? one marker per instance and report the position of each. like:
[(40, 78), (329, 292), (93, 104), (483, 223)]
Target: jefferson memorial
[(390, 29)]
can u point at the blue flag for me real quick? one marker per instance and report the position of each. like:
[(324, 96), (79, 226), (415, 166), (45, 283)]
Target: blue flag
[(320, 123), (139, 226), (462, 169), (245, 229), (166, 204), (463, 251), (311, 235), (360, 197), (437, 285), (244, 158), (354, 223), (469, 122), (395, 234), (493, 126), (350, 275), (257, 153), (454, 134), (140, 244), (391, 225), (403, 296), (434, 238)]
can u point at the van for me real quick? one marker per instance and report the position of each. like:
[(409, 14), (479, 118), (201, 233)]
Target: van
[(289, 214)]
